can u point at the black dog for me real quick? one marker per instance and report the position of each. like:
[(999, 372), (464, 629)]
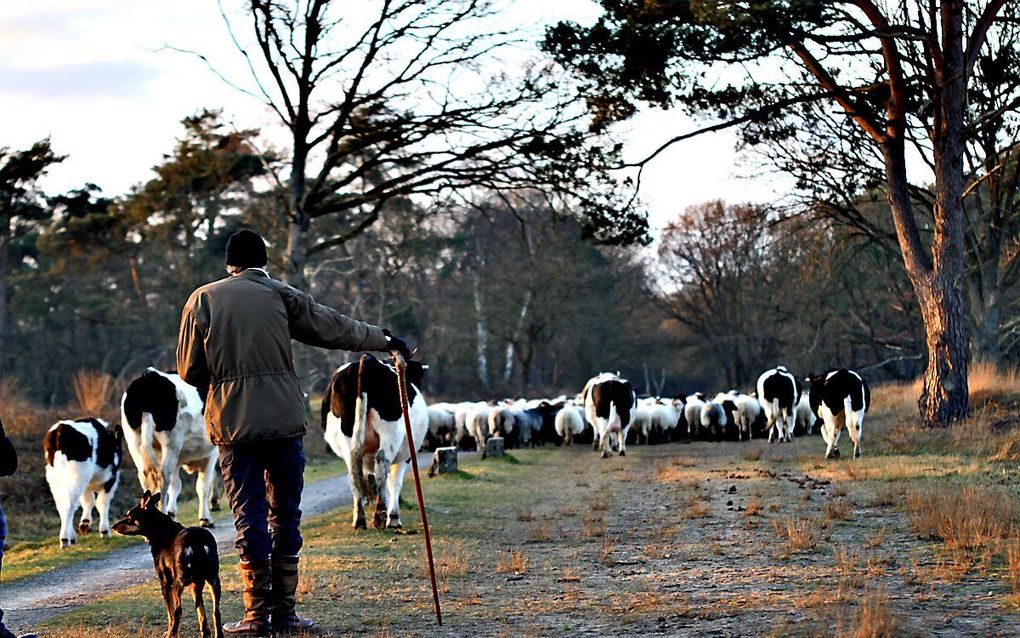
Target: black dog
[(183, 556)]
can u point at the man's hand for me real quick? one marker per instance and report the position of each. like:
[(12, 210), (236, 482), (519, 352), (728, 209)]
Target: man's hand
[(396, 344)]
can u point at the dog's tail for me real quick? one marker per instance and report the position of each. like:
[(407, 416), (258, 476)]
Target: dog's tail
[(366, 488)]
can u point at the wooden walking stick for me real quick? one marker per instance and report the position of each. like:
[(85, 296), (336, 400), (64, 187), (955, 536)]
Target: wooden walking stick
[(400, 364)]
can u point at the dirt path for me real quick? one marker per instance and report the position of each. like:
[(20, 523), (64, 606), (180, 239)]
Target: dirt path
[(32, 600), (721, 540)]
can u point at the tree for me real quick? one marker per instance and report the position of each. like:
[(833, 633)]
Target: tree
[(900, 74), (21, 210), (397, 104)]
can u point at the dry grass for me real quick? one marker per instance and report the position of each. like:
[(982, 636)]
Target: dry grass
[(22, 419), (839, 509), (987, 383), (697, 509), (594, 527), (600, 503), (799, 533), (754, 507), (964, 518), (569, 575), (1011, 558), (93, 391), (754, 455), (874, 619), (539, 533), (451, 560), (525, 515), (512, 561), (875, 540)]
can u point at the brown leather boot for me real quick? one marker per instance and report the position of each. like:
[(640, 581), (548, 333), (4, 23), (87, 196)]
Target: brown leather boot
[(256, 581), (285, 582)]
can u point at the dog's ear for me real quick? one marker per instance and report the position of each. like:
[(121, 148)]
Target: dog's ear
[(150, 501)]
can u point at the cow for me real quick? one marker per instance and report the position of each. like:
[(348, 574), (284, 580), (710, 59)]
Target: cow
[(609, 405), (692, 413), (747, 413), (804, 417), (713, 419), (363, 424), (569, 422), (778, 393), (839, 393), (164, 426), (83, 458)]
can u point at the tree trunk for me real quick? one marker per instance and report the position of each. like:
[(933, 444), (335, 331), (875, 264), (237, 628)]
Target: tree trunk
[(945, 397), (482, 335), (298, 222)]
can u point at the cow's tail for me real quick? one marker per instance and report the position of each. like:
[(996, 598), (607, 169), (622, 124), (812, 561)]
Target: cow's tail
[(366, 488), (613, 423), (849, 414), (152, 474)]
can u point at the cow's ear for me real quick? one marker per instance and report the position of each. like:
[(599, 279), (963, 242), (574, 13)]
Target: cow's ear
[(153, 501), (145, 497)]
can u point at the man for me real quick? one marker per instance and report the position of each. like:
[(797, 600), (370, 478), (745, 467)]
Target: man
[(235, 340), (8, 466)]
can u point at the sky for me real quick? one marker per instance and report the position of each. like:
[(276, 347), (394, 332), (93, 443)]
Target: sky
[(96, 77)]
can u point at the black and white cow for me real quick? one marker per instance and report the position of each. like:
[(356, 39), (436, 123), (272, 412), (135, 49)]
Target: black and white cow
[(364, 425), (163, 423), (778, 393), (839, 397), (609, 403), (82, 467)]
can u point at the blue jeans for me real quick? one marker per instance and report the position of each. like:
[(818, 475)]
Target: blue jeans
[(263, 481), (3, 541)]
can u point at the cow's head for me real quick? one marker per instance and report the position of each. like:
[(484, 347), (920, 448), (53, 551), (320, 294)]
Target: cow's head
[(415, 371)]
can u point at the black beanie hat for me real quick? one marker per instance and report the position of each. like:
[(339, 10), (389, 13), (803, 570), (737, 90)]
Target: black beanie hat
[(246, 249)]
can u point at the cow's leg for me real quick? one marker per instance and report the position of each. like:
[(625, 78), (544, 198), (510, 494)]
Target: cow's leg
[(103, 500), (75, 484), (171, 473), (393, 485), (623, 440), (827, 436), (770, 425), (606, 443), (359, 504), (61, 494), (789, 418), (205, 485), (175, 618), (382, 474), (88, 503), (853, 428)]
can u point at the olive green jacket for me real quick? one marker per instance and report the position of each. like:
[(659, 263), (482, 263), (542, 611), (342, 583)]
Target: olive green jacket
[(235, 339)]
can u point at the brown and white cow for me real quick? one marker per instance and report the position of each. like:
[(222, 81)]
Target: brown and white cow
[(363, 425), (609, 406)]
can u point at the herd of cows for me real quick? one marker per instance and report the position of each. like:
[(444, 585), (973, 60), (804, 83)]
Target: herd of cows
[(162, 423)]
